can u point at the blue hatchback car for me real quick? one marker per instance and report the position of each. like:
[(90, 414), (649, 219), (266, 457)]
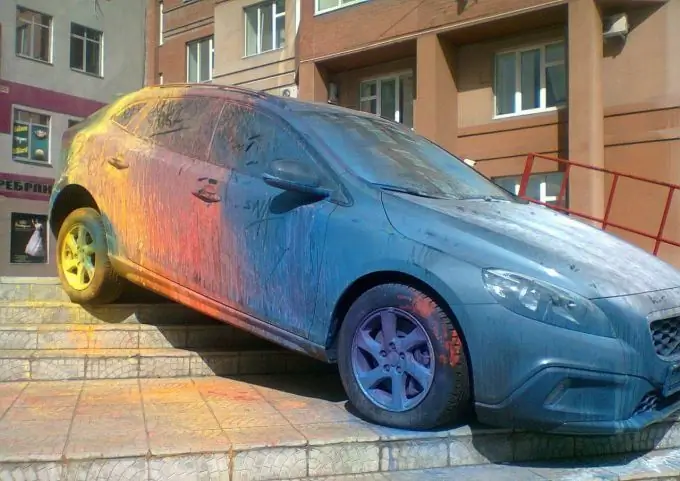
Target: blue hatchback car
[(354, 240)]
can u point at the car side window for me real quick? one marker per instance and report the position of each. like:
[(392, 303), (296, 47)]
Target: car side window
[(248, 140), (184, 125), (125, 117)]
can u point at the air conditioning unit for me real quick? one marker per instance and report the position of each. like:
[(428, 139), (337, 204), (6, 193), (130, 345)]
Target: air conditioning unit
[(615, 26), (291, 91)]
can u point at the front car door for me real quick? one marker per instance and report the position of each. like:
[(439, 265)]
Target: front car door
[(272, 240)]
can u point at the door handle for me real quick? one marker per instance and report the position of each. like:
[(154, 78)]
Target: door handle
[(117, 163), (207, 195)]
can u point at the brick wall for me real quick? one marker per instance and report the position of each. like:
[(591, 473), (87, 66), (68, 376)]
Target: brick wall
[(377, 20)]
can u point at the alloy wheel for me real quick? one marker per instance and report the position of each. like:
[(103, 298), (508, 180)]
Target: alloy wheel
[(78, 257), (393, 359)]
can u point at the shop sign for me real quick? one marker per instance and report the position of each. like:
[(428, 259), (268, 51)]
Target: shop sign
[(25, 186), (28, 242)]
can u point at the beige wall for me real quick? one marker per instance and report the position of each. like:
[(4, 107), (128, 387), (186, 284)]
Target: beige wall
[(267, 71)]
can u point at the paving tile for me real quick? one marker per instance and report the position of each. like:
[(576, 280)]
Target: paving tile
[(171, 409), (54, 388), (392, 434), (121, 469), (58, 368), (404, 455), (334, 433), (265, 437), (36, 400), (331, 414), (270, 464), (237, 419), (39, 413), (18, 444), (188, 422), (219, 364), (18, 339), (39, 471), (344, 459), (15, 370), (165, 336), (661, 465), (102, 444), (208, 467), (112, 368), (167, 442), (529, 446)]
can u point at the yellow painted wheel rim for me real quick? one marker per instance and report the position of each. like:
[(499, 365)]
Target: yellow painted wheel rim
[(78, 257)]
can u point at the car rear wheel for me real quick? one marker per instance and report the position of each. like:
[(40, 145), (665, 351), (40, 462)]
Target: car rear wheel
[(83, 261), (402, 361)]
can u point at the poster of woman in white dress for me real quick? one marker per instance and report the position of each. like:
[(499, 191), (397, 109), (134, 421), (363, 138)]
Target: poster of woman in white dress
[(28, 239)]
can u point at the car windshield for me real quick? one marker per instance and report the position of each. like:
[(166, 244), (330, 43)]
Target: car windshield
[(393, 157)]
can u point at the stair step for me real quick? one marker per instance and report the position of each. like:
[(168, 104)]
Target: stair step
[(127, 336), (73, 364), (64, 312), (49, 289)]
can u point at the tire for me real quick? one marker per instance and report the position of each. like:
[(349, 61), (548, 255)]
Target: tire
[(448, 397), (104, 285)]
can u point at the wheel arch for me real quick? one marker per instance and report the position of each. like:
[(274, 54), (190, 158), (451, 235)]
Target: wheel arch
[(376, 278), (70, 198)]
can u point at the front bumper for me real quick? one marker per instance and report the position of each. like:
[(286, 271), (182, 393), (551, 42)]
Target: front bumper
[(530, 375)]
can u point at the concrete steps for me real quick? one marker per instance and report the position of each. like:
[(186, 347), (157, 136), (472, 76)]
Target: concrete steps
[(283, 427), (43, 336)]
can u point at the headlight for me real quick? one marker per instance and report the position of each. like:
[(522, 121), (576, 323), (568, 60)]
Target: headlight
[(546, 303)]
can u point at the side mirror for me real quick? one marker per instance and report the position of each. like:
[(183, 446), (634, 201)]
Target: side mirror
[(294, 176)]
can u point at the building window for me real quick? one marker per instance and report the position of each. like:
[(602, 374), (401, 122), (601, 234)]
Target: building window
[(389, 97), (530, 80), (265, 27), (160, 23), (322, 6), (542, 187), (86, 49), (30, 137), (160, 78), (34, 35), (200, 58), (27, 239)]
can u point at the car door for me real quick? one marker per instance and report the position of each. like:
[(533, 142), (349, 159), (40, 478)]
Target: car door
[(116, 163), (172, 226), (272, 241)]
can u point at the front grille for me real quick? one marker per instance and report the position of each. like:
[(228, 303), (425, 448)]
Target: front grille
[(666, 336)]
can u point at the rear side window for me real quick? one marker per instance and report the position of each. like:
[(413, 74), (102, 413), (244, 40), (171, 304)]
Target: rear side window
[(125, 117), (184, 125)]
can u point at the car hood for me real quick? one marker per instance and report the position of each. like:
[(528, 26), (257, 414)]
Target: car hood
[(532, 240)]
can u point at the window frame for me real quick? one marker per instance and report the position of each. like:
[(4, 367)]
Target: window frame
[(211, 59), (543, 197), (29, 160), (397, 75), (50, 35), (85, 40), (341, 4), (518, 78), (275, 16), (160, 22)]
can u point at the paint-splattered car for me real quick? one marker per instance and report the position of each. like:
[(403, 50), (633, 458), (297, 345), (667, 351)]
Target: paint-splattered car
[(352, 239)]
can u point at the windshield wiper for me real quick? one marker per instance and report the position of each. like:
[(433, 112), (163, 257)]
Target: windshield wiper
[(405, 190), (486, 198)]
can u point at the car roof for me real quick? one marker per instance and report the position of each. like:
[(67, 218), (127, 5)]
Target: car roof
[(241, 93)]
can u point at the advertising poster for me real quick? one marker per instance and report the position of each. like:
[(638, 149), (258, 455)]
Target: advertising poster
[(30, 143), (28, 241)]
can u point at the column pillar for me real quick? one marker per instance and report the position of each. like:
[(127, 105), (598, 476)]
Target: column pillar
[(312, 82), (436, 105), (586, 113)]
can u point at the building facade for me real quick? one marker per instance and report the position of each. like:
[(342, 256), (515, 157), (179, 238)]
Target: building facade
[(59, 62), (256, 42), (180, 41), (596, 82)]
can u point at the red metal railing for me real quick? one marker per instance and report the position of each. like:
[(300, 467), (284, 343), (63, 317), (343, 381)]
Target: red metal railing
[(605, 221)]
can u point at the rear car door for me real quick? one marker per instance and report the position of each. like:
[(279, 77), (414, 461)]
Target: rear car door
[(177, 236), (272, 241)]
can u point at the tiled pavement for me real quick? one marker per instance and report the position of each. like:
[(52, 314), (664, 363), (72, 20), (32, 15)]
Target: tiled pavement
[(273, 427)]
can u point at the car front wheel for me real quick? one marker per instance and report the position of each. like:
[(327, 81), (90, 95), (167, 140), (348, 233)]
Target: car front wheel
[(402, 360), (83, 261)]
